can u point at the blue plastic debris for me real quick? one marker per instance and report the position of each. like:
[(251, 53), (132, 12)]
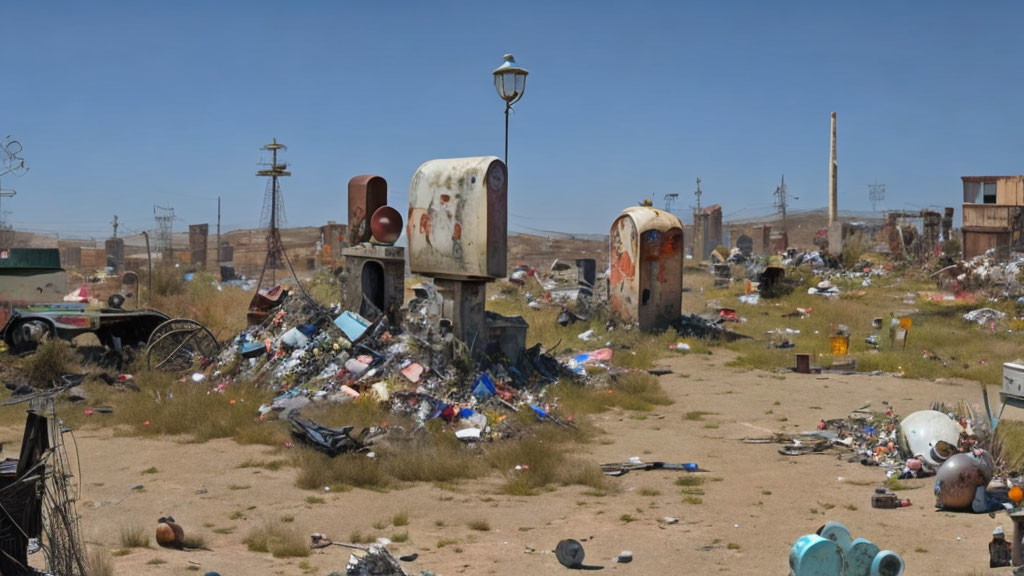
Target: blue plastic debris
[(253, 349), (352, 325), (483, 387), (831, 551)]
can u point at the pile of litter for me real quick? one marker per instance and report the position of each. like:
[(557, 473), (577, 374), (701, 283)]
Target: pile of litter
[(950, 443), (911, 447), (313, 355)]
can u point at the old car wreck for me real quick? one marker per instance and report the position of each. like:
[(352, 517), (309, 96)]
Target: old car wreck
[(164, 343)]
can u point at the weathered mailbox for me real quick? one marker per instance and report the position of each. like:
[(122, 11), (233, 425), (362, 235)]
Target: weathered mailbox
[(366, 194), (458, 219), (646, 277), (458, 235)]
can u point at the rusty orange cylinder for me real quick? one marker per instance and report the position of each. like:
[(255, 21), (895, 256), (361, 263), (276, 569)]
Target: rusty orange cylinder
[(169, 535)]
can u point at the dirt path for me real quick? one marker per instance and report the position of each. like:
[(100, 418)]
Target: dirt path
[(755, 498)]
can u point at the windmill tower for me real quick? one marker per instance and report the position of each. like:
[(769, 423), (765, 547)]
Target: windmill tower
[(273, 209), (273, 215)]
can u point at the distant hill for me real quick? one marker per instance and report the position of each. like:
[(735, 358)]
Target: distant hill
[(538, 249)]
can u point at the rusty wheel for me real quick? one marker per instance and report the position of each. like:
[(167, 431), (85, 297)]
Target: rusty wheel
[(180, 344)]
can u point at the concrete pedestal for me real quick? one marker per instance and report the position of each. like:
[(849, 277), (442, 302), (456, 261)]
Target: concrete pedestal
[(1017, 555), (463, 302), (374, 280)]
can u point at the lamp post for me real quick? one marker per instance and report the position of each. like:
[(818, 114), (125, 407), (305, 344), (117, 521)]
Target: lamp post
[(510, 82)]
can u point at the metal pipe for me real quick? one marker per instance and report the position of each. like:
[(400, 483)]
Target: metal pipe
[(507, 108)]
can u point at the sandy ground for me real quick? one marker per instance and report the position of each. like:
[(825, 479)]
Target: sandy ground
[(759, 500)]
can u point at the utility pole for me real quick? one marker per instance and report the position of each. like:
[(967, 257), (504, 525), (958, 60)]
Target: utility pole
[(697, 194), (115, 225), (218, 232), (833, 178), (149, 274), (780, 201)]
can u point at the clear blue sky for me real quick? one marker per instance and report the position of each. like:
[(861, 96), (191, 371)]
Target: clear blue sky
[(123, 105)]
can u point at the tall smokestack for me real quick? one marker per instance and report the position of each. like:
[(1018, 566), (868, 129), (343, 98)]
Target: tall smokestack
[(833, 169)]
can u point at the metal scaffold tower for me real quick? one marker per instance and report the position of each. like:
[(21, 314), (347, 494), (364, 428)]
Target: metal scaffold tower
[(273, 215), (876, 194), (164, 221)]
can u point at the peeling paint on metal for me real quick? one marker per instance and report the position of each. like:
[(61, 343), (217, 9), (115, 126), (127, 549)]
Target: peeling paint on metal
[(366, 193), (646, 267), (459, 206)]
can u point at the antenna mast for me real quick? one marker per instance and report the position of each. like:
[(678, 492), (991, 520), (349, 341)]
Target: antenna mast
[(274, 205)]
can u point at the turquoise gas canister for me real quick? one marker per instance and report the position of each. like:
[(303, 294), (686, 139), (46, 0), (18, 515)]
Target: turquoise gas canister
[(813, 555)]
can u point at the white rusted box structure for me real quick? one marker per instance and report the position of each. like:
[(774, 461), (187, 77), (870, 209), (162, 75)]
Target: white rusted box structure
[(646, 267), (458, 219), (1013, 380)]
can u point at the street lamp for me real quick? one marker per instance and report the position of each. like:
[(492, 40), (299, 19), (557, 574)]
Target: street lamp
[(510, 81)]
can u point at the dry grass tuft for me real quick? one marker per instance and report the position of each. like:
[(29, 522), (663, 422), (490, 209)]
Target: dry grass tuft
[(479, 525), (167, 407), (194, 540), (359, 537), (1009, 444), (271, 465), (280, 541), (541, 465), (133, 536), (696, 415), (438, 458), (690, 480), (222, 311), (638, 391), (48, 363), (317, 471), (98, 562), (446, 542)]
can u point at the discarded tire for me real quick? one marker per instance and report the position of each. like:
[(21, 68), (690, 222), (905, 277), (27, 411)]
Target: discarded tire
[(569, 553)]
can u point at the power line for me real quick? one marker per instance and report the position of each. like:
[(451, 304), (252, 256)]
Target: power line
[(876, 194)]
